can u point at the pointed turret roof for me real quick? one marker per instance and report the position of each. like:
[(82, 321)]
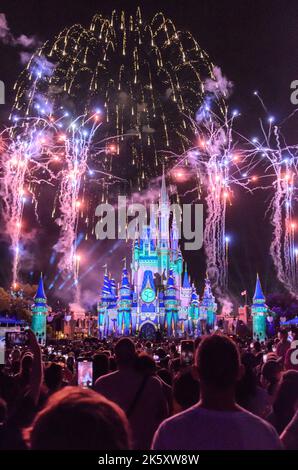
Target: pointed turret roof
[(170, 292), (258, 295), (40, 293), (208, 298), (170, 281), (186, 283), (106, 288), (163, 193), (125, 281), (40, 300), (194, 296), (125, 291), (113, 284)]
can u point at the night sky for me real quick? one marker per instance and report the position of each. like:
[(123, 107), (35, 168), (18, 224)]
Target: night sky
[(254, 43)]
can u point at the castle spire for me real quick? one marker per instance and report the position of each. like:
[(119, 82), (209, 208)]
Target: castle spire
[(194, 296), (164, 213), (164, 198), (186, 283), (106, 288), (125, 281), (40, 296), (258, 295)]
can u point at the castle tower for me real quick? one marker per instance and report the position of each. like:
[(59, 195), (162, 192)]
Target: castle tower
[(186, 291), (113, 290), (193, 317), (103, 320), (39, 313), (208, 306), (171, 306), (174, 236), (124, 306), (259, 312), (164, 217)]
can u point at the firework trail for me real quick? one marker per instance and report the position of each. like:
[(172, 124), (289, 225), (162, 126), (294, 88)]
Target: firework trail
[(77, 141), (280, 164), (146, 76), (24, 158), (215, 161)]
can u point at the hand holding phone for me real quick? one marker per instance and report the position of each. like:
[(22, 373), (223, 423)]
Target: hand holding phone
[(85, 373), (16, 338)]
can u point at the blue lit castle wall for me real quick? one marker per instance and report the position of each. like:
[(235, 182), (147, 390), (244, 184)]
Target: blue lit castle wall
[(155, 295)]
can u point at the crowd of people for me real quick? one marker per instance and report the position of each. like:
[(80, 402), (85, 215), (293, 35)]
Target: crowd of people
[(235, 395)]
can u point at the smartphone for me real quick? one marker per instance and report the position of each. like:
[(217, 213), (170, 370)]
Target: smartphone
[(156, 358), (16, 338), (85, 373), (187, 352)]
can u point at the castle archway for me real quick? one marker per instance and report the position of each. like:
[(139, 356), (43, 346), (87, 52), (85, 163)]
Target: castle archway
[(147, 331)]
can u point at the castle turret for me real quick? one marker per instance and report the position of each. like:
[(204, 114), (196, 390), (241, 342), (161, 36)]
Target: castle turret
[(124, 305), (106, 290), (259, 312), (186, 291), (164, 217), (103, 306), (175, 236), (113, 290), (208, 306), (193, 316), (171, 306), (39, 313)]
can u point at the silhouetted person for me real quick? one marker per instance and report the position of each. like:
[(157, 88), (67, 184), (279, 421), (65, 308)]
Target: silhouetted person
[(53, 377), (285, 402), (79, 419), (186, 390), (249, 394), (283, 345), (100, 365), (289, 437), (140, 396), (216, 422)]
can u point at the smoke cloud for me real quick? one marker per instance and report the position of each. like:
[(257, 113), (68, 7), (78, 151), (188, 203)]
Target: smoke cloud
[(220, 85), (9, 39)]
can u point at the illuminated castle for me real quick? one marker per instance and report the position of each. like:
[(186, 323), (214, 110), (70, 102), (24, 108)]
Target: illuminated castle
[(156, 296)]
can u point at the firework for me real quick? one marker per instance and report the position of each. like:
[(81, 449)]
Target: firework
[(147, 77), (76, 141), (278, 161), (215, 162), (25, 163)]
